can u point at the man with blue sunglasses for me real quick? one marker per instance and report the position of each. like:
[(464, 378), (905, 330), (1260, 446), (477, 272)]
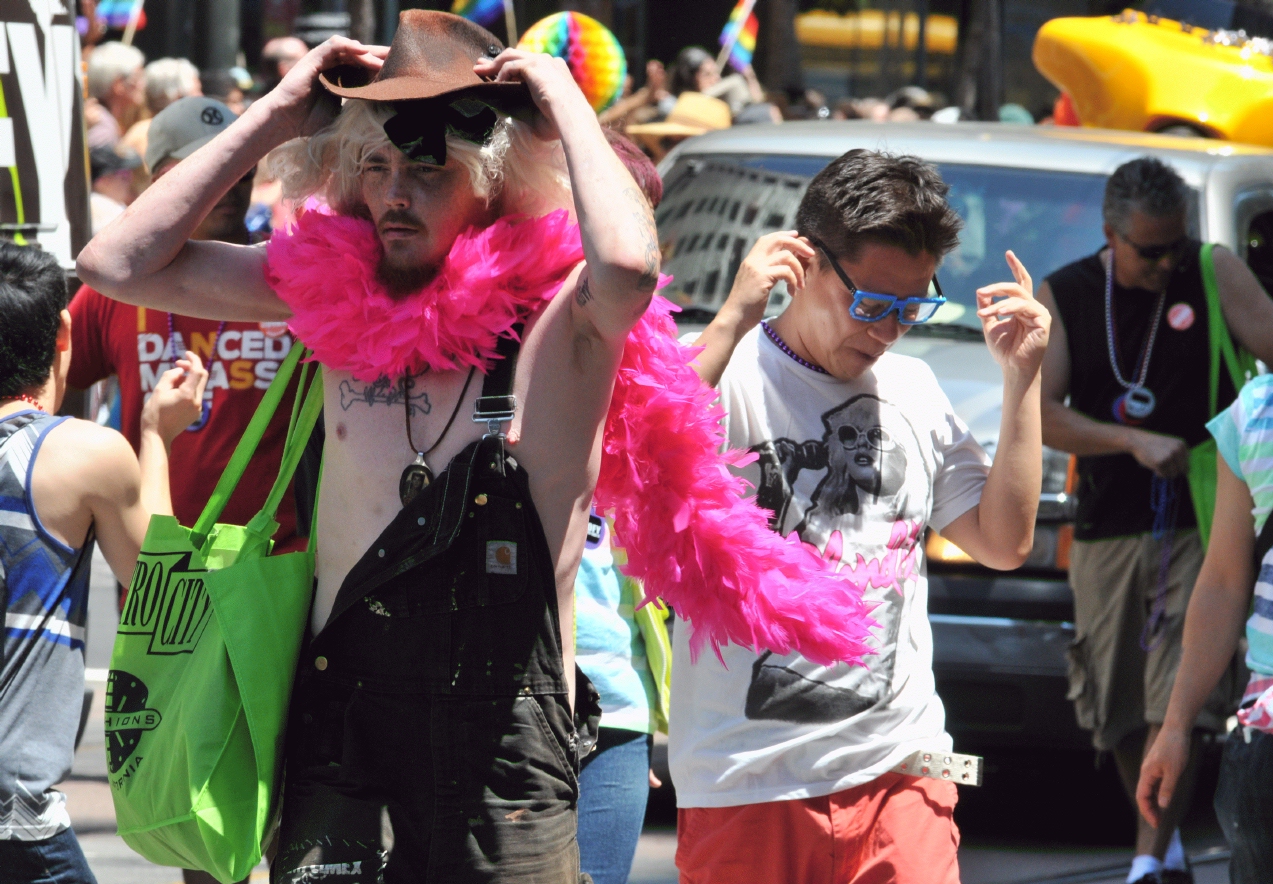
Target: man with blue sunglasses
[(859, 452)]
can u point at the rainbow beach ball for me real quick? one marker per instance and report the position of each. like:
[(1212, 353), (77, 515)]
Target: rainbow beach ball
[(592, 53)]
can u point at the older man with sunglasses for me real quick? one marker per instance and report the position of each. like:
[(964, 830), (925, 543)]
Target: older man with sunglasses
[(787, 771), (1131, 351)]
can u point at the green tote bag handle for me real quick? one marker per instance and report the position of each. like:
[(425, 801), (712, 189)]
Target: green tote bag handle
[(298, 434), (1240, 365)]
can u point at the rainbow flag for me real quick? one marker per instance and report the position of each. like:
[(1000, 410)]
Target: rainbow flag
[(115, 14), (739, 34), (484, 12)]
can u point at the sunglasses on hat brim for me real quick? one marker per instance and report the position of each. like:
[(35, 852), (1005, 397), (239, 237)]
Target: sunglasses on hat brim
[(419, 128)]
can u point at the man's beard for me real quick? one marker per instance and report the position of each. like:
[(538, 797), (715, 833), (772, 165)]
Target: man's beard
[(398, 279), (401, 281)]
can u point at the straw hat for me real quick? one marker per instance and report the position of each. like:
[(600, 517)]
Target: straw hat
[(693, 114)]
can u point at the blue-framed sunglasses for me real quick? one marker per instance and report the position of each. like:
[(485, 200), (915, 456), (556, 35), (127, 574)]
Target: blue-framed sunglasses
[(874, 306)]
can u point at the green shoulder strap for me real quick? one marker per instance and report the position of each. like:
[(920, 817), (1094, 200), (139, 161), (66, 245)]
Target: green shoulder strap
[(1240, 364), (247, 446), (293, 449)]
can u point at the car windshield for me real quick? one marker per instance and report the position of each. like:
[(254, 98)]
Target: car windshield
[(716, 206)]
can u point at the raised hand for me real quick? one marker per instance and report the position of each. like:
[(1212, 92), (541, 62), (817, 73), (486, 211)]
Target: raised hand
[(554, 90), (177, 400), (1016, 325), (301, 101), (775, 256)]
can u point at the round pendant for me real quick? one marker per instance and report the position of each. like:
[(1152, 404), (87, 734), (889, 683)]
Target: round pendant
[(415, 478), (1134, 406), (1139, 403)]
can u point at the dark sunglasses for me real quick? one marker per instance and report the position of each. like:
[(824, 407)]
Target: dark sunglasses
[(419, 128), (1157, 253), (875, 306)]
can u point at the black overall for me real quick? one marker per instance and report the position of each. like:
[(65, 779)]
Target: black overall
[(430, 736)]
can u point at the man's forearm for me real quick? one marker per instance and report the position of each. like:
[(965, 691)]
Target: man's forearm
[(154, 229), (152, 457), (615, 219), (1010, 498), (1068, 430), (1213, 624), (718, 341)]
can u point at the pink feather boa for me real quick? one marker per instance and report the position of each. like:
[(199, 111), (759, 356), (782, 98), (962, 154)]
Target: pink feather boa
[(689, 531), (325, 269)]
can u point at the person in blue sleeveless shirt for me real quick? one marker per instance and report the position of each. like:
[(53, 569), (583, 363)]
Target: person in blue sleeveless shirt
[(65, 484), (1231, 585)]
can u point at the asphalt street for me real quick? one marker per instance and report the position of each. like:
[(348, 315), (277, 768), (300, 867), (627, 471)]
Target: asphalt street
[(1046, 822)]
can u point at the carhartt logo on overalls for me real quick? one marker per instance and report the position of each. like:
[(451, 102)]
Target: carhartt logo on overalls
[(168, 602), (501, 557), (127, 718)]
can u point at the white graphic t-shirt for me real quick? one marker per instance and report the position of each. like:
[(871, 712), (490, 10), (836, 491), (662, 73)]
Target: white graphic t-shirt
[(858, 469)]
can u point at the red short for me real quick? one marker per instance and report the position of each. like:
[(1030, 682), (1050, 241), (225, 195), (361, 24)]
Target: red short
[(893, 830)]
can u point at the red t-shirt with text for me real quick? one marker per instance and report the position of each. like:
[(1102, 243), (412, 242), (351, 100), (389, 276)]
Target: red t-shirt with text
[(111, 338)]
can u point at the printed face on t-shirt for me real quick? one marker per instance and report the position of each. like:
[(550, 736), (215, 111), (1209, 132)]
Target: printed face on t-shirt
[(870, 477)]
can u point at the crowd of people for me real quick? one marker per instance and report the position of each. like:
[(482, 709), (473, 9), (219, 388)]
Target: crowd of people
[(487, 655)]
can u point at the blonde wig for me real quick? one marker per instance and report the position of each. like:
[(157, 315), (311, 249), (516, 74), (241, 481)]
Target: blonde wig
[(516, 173)]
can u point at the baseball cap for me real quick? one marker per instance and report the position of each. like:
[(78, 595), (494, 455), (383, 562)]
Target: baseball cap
[(183, 127)]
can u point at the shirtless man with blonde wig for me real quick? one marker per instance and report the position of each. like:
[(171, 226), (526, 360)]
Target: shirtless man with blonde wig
[(432, 724)]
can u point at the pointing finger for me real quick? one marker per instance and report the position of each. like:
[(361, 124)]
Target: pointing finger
[(1019, 272)]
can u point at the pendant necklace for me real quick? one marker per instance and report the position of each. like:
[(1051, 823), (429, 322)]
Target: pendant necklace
[(1138, 402), (418, 474)]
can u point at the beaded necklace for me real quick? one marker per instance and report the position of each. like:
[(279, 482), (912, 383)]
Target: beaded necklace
[(23, 397), (782, 345), (1138, 402)]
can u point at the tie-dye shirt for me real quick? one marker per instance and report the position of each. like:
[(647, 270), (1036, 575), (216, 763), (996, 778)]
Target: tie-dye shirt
[(1244, 437)]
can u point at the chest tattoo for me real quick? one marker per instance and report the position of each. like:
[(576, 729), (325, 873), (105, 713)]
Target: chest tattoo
[(381, 392)]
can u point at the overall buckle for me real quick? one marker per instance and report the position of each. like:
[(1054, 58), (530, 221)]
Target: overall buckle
[(494, 411)]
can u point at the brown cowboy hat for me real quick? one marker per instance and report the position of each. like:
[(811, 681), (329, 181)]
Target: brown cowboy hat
[(432, 55)]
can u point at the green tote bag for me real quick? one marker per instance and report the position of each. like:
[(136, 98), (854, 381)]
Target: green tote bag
[(202, 669), (1241, 366)]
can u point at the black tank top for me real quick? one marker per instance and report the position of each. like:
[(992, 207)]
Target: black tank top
[(1113, 492)]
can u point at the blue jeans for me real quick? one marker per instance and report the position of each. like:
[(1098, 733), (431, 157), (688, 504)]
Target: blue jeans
[(614, 784), (56, 860), (1244, 805)]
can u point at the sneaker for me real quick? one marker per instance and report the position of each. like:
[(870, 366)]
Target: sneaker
[(1151, 878), (1178, 876)]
